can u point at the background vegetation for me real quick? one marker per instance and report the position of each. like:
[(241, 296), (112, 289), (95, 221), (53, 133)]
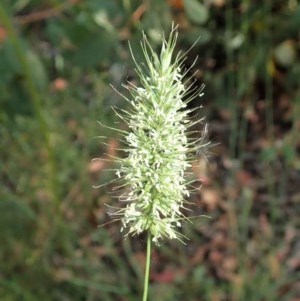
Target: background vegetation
[(57, 61)]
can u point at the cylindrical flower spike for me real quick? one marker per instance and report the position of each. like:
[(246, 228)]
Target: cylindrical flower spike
[(158, 149)]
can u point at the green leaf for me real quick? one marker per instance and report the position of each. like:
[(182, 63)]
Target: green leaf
[(289, 153), (37, 69), (94, 49), (196, 11), (268, 154)]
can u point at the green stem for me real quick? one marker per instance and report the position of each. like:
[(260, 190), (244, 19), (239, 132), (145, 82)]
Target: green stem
[(33, 95), (147, 267), (35, 99)]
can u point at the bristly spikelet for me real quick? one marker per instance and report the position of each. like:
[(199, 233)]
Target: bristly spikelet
[(157, 146)]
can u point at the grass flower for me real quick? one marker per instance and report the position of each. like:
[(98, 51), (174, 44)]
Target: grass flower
[(158, 148)]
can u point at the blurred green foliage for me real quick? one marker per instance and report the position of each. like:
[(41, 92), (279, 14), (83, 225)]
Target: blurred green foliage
[(57, 61)]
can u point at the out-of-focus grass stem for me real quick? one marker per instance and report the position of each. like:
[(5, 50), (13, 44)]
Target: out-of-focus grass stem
[(34, 97)]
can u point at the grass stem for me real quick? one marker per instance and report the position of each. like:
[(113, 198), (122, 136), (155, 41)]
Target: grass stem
[(33, 95), (147, 267)]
